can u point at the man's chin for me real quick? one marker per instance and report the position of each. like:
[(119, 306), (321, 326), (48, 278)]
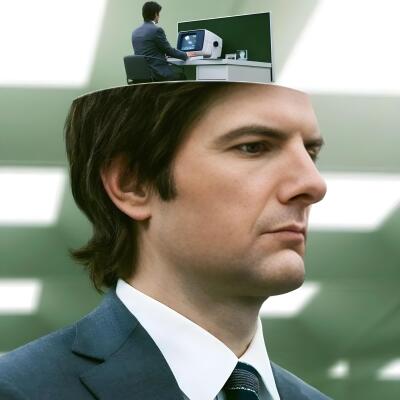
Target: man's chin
[(276, 285), (289, 274), (287, 286)]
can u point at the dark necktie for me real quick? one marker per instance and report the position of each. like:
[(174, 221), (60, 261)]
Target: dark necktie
[(243, 383)]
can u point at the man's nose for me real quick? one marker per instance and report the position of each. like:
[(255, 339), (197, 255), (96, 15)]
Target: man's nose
[(302, 180)]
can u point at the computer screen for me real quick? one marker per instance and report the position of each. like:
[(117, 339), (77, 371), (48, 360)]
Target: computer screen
[(191, 40)]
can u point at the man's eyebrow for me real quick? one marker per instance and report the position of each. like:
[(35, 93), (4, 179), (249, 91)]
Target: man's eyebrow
[(271, 133)]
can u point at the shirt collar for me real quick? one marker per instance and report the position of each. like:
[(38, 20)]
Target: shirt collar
[(193, 354)]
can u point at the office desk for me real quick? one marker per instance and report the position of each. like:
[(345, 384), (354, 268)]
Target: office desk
[(229, 70)]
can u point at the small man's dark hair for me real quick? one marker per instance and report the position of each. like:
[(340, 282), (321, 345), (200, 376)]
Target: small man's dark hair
[(150, 10), (145, 123)]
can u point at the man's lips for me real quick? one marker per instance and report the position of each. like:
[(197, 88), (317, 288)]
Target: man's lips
[(292, 227), (292, 231)]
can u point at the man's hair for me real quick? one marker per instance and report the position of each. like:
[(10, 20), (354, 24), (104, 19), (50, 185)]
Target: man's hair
[(144, 123), (150, 10)]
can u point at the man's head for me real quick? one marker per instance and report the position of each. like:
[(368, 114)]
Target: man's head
[(151, 11), (193, 177)]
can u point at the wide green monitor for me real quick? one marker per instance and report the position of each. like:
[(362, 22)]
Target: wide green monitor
[(251, 32)]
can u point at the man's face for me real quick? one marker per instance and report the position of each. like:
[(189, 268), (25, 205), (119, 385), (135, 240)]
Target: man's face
[(236, 182)]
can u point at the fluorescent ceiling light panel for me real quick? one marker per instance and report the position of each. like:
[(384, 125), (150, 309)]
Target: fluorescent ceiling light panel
[(347, 47), (30, 196), (19, 296), (356, 202), (390, 371), (339, 370), (47, 42), (289, 304)]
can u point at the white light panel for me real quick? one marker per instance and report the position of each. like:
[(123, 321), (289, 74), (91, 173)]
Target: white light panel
[(19, 296), (339, 370), (347, 47), (47, 42), (356, 202), (30, 196), (390, 371), (289, 304)]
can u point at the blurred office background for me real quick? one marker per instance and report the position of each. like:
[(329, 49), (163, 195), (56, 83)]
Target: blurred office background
[(343, 335)]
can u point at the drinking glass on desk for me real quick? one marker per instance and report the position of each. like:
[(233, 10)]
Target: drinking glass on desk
[(241, 54)]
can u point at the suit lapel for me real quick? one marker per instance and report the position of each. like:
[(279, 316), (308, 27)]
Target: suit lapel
[(289, 387), (130, 365)]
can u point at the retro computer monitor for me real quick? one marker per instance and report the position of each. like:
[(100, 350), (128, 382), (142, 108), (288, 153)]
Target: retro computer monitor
[(200, 41), (251, 32)]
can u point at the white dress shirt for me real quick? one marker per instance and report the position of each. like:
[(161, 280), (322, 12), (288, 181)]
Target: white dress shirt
[(193, 354)]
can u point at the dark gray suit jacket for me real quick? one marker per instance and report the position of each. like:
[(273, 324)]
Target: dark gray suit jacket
[(105, 355), (150, 40)]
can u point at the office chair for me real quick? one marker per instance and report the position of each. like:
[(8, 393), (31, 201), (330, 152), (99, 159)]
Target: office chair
[(138, 71)]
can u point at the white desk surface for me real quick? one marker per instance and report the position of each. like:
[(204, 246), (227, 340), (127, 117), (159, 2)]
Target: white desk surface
[(220, 61)]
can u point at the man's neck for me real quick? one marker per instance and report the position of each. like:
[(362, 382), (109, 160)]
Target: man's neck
[(233, 321)]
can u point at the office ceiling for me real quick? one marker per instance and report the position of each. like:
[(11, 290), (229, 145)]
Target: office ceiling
[(356, 315)]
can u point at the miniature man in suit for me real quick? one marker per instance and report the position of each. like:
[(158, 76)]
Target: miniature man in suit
[(199, 194), (150, 40)]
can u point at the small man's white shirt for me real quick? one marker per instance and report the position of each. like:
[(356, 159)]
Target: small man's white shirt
[(200, 362)]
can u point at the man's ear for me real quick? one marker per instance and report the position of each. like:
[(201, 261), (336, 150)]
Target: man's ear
[(124, 192)]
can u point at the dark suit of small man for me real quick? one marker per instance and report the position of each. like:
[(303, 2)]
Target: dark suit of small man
[(150, 40), (219, 193)]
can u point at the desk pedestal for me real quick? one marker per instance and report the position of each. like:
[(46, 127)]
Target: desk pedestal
[(233, 73), (229, 70)]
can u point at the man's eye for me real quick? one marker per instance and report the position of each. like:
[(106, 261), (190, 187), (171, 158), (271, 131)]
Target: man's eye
[(313, 155), (252, 148)]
